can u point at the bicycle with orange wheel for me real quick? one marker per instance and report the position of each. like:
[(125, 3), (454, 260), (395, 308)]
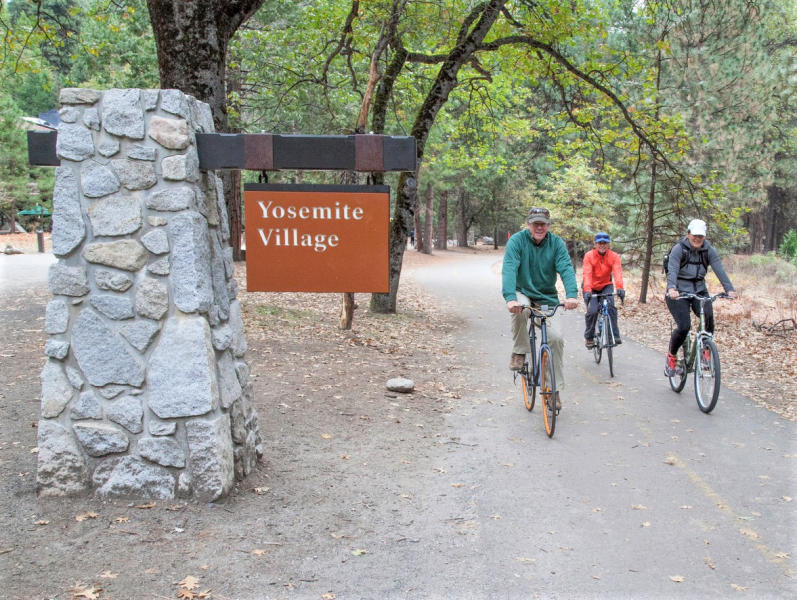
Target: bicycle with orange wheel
[(539, 372)]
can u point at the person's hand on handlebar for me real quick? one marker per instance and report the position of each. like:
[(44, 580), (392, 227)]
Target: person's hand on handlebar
[(673, 294), (732, 295), (514, 306), (571, 303)]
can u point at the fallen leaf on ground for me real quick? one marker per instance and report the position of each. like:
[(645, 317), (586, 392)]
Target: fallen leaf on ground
[(457, 485), (646, 524), (109, 575), (594, 576), (670, 460), (86, 516), (359, 552), (258, 552), (508, 464), (738, 588), (326, 436), (328, 596), (749, 533), (686, 507), (260, 490), (81, 591), (786, 498), (42, 522), (525, 560), (782, 555), (122, 519), (676, 578), (639, 507), (189, 582), (147, 505), (710, 562)]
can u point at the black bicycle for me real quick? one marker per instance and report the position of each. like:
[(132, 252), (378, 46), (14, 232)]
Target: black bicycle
[(699, 355), (540, 373), (603, 336)]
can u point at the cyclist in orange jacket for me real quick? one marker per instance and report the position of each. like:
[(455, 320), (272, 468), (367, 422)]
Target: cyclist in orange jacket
[(601, 266)]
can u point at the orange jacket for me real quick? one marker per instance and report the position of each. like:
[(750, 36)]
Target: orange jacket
[(599, 269)]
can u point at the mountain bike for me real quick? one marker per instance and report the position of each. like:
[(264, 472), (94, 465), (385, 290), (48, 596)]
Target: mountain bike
[(603, 336), (699, 355), (539, 373)]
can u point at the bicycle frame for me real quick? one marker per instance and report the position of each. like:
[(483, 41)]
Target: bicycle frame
[(604, 321), (701, 334), (543, 325)]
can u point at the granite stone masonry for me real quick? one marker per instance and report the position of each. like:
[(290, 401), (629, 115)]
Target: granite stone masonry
[(145, 392)]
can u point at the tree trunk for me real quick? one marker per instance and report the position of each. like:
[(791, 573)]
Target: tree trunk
[(462, 224), (643, 291), (445, 81), (442, 221), (347, 304), (428, 220), (417, 224), (231, 181), (192, 37)]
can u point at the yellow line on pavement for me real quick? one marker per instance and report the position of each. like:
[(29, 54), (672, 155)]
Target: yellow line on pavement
[(748, 533)]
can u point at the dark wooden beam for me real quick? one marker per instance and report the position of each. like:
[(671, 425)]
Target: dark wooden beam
[(271, 152)]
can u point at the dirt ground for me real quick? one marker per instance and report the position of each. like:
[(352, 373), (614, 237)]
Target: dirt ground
[(327, 483), (319, 392)]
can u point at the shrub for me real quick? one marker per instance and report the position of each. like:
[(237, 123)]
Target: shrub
[(788, 247)]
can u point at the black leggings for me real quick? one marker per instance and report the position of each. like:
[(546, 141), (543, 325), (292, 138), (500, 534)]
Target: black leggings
[(679, 309)]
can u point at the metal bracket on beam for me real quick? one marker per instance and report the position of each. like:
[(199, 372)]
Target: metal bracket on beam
[(270, 152)]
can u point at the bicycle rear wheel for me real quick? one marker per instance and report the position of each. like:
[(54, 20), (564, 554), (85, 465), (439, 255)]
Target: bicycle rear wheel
[(527, 381), (596, 349), (548, 390), (677, 382), (707, 375)]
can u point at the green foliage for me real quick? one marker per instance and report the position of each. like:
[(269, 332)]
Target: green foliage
[(578, 203), (20, 184), (788, 248)]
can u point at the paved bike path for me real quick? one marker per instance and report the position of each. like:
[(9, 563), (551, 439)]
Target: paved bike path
[(638, 494)]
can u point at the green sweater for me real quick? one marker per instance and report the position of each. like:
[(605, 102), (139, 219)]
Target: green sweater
[(532, 269)]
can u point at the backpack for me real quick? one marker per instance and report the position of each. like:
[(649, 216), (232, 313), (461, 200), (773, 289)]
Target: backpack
[(684, 259)]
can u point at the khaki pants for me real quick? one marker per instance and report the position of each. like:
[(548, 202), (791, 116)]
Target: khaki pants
[(520, 339)]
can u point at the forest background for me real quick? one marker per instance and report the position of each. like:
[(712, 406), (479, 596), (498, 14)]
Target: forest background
[(619, 115)]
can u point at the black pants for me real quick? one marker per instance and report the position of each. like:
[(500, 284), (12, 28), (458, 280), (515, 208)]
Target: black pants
[(679, 309), (592, 313)]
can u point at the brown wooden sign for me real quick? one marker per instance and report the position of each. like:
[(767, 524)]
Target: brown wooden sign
[(317, 238)]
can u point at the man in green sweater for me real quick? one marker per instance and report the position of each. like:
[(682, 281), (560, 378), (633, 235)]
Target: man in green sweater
[(532, 260)]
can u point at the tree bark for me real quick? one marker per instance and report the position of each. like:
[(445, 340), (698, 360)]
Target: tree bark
[(442, 221), (417, 224), (428, 220), (462, 223), (648, 260)]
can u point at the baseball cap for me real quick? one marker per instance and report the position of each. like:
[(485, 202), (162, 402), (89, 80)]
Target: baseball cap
[(697, 227), (602, 236), (539, 215)]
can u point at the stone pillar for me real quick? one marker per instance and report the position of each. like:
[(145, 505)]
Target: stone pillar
[(146, 388)]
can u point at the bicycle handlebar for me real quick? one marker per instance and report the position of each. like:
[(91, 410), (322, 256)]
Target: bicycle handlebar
[(543, 311), (690, 296)]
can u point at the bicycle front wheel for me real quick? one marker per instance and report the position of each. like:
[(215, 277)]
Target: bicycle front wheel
[(548, 390), (677, 382), (610, 357), (598, 341), (707, 375), (529, 391)]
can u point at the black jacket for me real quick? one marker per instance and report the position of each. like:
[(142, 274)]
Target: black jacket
[(691, 277)]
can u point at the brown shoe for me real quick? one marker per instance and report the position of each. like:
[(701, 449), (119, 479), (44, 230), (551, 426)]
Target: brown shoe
[(589, 344), (516, 362), (558, 402)]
